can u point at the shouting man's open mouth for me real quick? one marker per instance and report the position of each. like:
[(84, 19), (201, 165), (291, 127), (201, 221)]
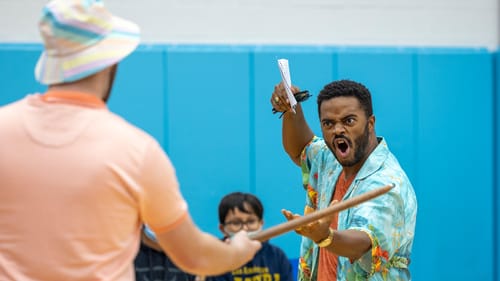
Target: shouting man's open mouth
[(342, 147)]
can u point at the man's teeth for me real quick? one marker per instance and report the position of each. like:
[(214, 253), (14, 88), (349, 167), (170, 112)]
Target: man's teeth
[(339, 142)]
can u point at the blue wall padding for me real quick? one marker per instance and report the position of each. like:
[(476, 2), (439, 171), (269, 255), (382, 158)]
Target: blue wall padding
[(454, 165), (139, 92), (209, 108), (17, 68), (496, 187), (208, 127)]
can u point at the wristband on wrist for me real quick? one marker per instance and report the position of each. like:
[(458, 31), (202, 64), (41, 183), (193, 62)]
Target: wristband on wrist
[(326, 241), (300, 97)]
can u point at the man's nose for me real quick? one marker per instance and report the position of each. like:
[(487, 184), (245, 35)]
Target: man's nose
[(338, 129)]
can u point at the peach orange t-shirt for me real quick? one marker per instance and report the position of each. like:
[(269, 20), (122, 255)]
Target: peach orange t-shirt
[(76, 184)]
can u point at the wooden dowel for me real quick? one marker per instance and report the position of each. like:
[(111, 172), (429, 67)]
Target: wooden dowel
[(276, 230)]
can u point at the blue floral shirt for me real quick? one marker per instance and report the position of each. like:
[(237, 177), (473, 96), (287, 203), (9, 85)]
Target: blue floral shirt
[(389, 220)]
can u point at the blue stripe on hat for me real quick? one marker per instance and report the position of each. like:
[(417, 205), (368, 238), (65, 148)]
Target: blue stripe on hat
[(70, 31)]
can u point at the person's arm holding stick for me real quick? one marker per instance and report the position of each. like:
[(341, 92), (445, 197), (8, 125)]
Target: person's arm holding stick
[(297, 222)]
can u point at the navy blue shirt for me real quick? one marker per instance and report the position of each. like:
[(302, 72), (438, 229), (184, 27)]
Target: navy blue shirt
[(269, 264)]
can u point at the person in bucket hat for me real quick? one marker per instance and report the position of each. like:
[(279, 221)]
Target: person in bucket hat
[(77, 181)]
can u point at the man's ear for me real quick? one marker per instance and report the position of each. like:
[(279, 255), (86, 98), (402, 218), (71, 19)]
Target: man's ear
[(371, 122)]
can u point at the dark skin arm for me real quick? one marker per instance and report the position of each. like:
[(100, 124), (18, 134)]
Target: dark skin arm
[(350, 243), (296, 133), (347, 243)]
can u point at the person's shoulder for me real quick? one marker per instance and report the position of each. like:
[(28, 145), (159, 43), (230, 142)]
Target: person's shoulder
[(388, 173), (9, 108), (12, 109), (383, 157), (392, 168), (273, 249), (318, 150), (383, 168), (125, 136), (12, 105), (123, 128), (316, 142)]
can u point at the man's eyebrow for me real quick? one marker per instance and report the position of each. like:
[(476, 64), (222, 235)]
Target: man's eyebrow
[(349, 116)]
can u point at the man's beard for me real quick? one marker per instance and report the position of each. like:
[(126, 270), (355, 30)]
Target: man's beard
[(361, 146), (112, 75)]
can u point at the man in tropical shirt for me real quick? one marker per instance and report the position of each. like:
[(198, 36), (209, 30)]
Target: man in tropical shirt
[(373, 240)]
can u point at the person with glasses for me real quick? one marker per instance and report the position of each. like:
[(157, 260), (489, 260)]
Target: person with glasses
[(237, 211), (244, 211)]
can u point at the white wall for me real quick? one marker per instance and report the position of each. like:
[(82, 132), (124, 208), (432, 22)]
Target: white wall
[(468, 23), (498, 22)]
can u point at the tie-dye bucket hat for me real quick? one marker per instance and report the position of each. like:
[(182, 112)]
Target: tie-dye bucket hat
[(81, 37)]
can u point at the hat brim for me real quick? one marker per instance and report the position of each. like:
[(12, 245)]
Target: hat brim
[(118, 44)]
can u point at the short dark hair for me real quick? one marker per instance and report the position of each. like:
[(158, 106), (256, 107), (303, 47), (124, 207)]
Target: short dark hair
[(347, 88), (238, 200)]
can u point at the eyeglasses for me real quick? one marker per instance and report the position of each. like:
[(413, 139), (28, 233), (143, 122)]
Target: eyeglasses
[(235, 226)]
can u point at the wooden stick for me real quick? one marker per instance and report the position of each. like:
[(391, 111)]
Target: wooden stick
[(276, 230)]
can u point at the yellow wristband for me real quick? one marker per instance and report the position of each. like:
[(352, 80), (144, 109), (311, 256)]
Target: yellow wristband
[(327, 241)]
